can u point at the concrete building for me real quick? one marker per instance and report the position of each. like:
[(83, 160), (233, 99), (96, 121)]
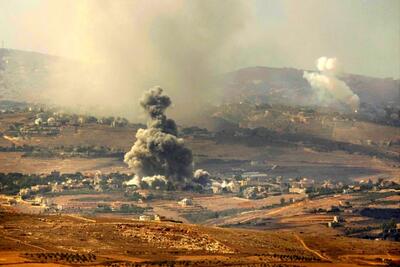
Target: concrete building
[(145, 218), (254, 178), (185, 202), (297, 190)]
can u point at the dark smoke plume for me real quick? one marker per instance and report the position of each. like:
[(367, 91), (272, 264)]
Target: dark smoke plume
[(158, 150), (202, 177), (155, 104)]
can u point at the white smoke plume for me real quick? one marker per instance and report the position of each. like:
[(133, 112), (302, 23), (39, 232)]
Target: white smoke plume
[(329, 89), (136, 180), (158, 150), (155, 181)]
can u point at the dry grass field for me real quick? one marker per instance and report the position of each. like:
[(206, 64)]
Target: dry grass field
[(299, 214), (290, 162), (224, 202), (73, 240), (360, 131), (14, 162)]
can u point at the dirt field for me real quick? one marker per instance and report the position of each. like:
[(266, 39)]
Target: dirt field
[(291, 163), (224, 202), (66, 240), (365, 131), (14, 162), (298, 215)]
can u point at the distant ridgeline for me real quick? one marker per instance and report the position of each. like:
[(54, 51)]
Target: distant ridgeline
[(23, 76), (287, 86)]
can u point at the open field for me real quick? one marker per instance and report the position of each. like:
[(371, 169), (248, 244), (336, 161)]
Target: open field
[(14, 162), (29, 240), (295, 210), (361, 131), (219, 202), (290, 162), (304, 216)]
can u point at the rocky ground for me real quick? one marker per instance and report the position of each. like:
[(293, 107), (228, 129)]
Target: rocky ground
[(59, 240)]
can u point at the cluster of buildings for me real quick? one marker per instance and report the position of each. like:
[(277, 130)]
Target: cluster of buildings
[(337, 221), (250, 185), (40, 203), (55, 118), (256, 185), (49, 122), (76, 181), (39, 130)]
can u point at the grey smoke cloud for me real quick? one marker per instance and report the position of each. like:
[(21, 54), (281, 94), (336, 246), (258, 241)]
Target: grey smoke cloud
[(121, 47), (158, 150), (202, 177)]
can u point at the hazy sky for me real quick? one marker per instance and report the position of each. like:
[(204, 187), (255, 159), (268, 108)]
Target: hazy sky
[(363, 34)]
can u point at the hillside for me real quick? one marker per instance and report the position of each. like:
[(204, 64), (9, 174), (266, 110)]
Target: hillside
[(27, 240), (23, 76), (287, 86)]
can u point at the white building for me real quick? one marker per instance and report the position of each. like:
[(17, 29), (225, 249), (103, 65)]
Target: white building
[(297, 190), (145, 218), (185, 202)]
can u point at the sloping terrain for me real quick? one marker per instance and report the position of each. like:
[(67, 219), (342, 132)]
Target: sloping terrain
[(287, 85), (23, 76), (27, 240)]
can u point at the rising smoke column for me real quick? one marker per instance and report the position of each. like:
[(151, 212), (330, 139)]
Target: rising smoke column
[(328, 88), (158, 150)]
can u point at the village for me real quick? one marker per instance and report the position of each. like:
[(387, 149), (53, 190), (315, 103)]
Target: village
[(222, 188), (98, 194)]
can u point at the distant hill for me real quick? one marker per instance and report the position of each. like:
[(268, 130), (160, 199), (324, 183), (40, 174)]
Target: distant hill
[(24, 75), (288, 85)]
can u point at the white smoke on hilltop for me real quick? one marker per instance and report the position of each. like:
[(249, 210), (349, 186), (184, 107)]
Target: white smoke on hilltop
[(328, 89)]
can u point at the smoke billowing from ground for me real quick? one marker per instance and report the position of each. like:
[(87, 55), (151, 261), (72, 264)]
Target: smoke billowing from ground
[(202, 177), (156, 181), (158, 150), (328, 89)]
